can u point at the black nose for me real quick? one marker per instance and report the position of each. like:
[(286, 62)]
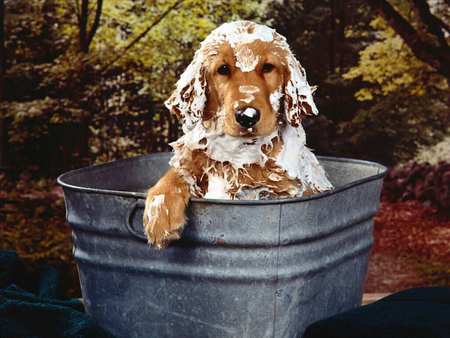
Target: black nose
[(247, 117)]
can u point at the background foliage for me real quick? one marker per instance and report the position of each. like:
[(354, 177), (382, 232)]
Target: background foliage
[(83, 82), (112, 89), (98, 72)]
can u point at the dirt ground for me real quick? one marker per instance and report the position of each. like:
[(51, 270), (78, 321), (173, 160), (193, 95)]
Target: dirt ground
[(411, 249)]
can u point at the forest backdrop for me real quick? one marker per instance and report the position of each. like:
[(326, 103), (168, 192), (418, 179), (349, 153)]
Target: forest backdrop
[(83, 82)]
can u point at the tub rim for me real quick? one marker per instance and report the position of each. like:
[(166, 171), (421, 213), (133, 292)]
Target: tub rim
[(382, 170)]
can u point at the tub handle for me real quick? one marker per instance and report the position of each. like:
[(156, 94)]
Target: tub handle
[(138, 204)]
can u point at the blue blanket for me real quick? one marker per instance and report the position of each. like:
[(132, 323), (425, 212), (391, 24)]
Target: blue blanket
[(30, 304)]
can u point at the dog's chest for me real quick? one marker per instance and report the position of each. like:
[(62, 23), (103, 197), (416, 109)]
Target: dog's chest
[(225, 167), (219, 188), (253, 182)]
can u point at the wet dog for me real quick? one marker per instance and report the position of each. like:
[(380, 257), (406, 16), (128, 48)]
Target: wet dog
[(241, 102)]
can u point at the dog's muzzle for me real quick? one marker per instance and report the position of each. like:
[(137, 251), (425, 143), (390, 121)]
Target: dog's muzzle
[(247, 117)]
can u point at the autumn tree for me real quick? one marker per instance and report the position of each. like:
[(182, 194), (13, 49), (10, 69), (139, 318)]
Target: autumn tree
[(426, 37), (404, 99), (105, 66)]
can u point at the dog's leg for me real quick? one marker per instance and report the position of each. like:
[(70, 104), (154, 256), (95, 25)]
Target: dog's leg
[(164, 214)]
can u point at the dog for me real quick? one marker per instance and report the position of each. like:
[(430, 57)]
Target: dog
[(241, 102)]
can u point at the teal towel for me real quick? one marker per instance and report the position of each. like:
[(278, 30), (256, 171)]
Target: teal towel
[(31, 305)]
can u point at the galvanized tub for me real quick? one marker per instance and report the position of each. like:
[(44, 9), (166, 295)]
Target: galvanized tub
[(242, 269)]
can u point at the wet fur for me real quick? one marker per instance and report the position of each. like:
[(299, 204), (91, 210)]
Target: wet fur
[(164, 222)]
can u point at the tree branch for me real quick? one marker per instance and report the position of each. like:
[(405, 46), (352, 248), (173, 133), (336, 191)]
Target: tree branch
[(423, 10), (84, 15), (437, 57), (142, 34), (98, 13), (442, 23)]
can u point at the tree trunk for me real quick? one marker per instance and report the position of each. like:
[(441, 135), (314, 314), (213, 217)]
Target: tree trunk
[(95, 25), (86, 35), (341, 35), (332, 37), (2, 48), (83, 21)]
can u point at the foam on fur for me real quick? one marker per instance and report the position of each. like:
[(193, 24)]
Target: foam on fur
[(230, 158)]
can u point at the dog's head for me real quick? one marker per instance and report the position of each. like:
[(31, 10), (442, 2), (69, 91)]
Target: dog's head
[(245, 79)]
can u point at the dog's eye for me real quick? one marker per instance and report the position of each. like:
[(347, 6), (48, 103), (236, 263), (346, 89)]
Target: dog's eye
[(267, 67), (224, 70)]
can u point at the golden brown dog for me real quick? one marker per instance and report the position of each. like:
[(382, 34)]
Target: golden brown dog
[(241, 102)]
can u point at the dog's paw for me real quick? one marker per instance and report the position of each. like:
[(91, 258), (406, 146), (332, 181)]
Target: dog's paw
[(163, 218)]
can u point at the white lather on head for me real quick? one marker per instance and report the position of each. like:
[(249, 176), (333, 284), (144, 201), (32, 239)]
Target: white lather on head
[(189, 98)]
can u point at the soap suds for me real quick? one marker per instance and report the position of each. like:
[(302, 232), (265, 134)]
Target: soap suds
[(305, 165), (217, 188), (240, 33), (222, 147), (249, 98), (156, 207), (275, 98), (248, 91), (246, 60), (158, 200), (253, 193), (299, 92)]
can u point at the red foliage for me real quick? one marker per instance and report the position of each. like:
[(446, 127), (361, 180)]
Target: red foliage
[(427, 183)]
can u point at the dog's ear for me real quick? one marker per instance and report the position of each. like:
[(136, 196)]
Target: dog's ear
[(189, 99), (298, 98)]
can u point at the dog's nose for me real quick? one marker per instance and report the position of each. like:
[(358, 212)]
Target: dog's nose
[(247, 117)]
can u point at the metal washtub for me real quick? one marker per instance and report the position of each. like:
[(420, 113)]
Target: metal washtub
[(242, 268)]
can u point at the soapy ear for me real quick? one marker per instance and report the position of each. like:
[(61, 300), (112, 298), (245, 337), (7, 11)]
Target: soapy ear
[(188, 101), (298, 100)]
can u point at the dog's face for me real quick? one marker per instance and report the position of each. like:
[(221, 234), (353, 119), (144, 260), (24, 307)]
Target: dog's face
[(245, 79), (241, 81)]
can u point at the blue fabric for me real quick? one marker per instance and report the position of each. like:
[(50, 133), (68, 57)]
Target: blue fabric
[(413, 313), (31, 305)]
